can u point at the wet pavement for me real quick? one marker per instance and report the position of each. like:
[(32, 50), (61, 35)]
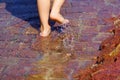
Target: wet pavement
[(70, 49)]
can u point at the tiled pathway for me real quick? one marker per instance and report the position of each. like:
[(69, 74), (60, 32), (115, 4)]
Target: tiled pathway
[(24, 55)]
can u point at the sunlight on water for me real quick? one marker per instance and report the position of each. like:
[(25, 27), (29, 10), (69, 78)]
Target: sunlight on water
[(58, 52), (60, 58)]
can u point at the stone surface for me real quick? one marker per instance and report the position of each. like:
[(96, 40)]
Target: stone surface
[(107, 63), (70, 49)]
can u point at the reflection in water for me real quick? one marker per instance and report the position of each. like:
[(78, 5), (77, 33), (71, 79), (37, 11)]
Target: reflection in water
[(58, 42), (59, 60), (55, 57)]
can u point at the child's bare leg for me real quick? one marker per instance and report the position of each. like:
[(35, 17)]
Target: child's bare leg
[(55, 12), (44, 8)]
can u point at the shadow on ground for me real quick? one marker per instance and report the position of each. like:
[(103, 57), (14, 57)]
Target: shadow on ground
[(25, 10)]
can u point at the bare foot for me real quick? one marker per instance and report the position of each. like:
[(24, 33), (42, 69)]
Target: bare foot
[(45, 32), (59, 18)]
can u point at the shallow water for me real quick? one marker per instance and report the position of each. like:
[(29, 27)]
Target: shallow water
[(68, 50), (60, 58)]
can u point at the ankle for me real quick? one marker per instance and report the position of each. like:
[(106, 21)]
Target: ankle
[(47, 27)]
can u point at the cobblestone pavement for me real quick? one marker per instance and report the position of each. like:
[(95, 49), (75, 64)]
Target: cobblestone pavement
[(24, 55)]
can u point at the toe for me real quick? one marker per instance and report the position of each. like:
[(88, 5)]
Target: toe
[(66, 21)]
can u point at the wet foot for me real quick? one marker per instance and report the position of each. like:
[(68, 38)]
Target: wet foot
[(59, 18), (45, 32)]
